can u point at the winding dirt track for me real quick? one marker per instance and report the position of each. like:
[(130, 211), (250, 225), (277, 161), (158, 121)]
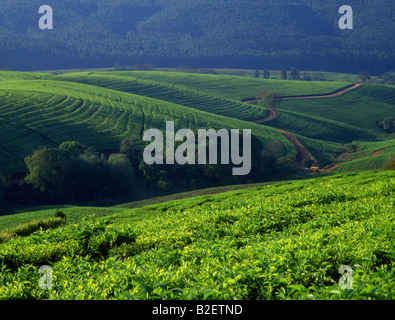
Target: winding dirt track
[(376, 153), (303, 153), (329, 95), (272, 114)]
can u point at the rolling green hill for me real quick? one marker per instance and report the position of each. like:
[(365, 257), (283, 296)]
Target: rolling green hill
[(235, 87), (46, 112), (166, 91), (101, 108), (282, 241)]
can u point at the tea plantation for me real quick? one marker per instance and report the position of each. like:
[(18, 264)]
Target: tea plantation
[(281, 241)]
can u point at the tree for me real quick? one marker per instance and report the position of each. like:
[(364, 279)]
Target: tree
[(388, 124), (43, 167), (129, 148), (121, 174), (286, 165), (257, 74), (293, 74), (72, 149), (284, 74), (363, 76), (268, 99), (2, 187)]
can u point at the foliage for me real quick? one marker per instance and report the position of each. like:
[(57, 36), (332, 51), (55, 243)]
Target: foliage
[(390, 165), (226, 33), (388, 124), (268, 99), (68, 174), (284, 241)]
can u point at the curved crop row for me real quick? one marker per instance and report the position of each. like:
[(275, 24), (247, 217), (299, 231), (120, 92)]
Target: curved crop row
[(50, 112), (171, 93), (361, 107)]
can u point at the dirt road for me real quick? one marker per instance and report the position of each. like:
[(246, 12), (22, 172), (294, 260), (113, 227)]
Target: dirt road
[(329, 95), (318, 96), (272, 114), (303, 153)]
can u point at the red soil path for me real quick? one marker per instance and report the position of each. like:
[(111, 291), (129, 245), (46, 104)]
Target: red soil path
[(376, 153), (330, 168), (303, 153), (272, 114), (329, 95)]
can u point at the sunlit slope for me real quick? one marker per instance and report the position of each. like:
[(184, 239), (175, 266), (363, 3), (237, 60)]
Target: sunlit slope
[(183, 95), (281, 241), (43, 112), (361, 108), (235, 87)]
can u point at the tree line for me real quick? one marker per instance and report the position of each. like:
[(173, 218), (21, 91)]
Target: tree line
[(222, 33), (76, 173)]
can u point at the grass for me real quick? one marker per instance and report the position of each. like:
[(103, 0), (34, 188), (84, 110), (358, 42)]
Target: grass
[(281, 241)]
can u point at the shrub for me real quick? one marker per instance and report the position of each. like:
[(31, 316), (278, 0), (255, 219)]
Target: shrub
[(390, 165)]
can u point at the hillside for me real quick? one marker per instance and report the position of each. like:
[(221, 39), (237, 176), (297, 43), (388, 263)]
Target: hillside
[(282, 241), (361, 107), (223, 33), (100, 109), (41, 112)]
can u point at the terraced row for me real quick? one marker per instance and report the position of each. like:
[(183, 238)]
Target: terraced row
[(361, 108), (172, 93), (44, 112), (234, 87), (318, 128)]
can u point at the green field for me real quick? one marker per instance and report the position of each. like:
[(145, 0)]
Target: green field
[(100, 108), (41, 112), (273, 240), (361, 107), (317, 127), (181, 95), (235, 87), (282, 241)]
